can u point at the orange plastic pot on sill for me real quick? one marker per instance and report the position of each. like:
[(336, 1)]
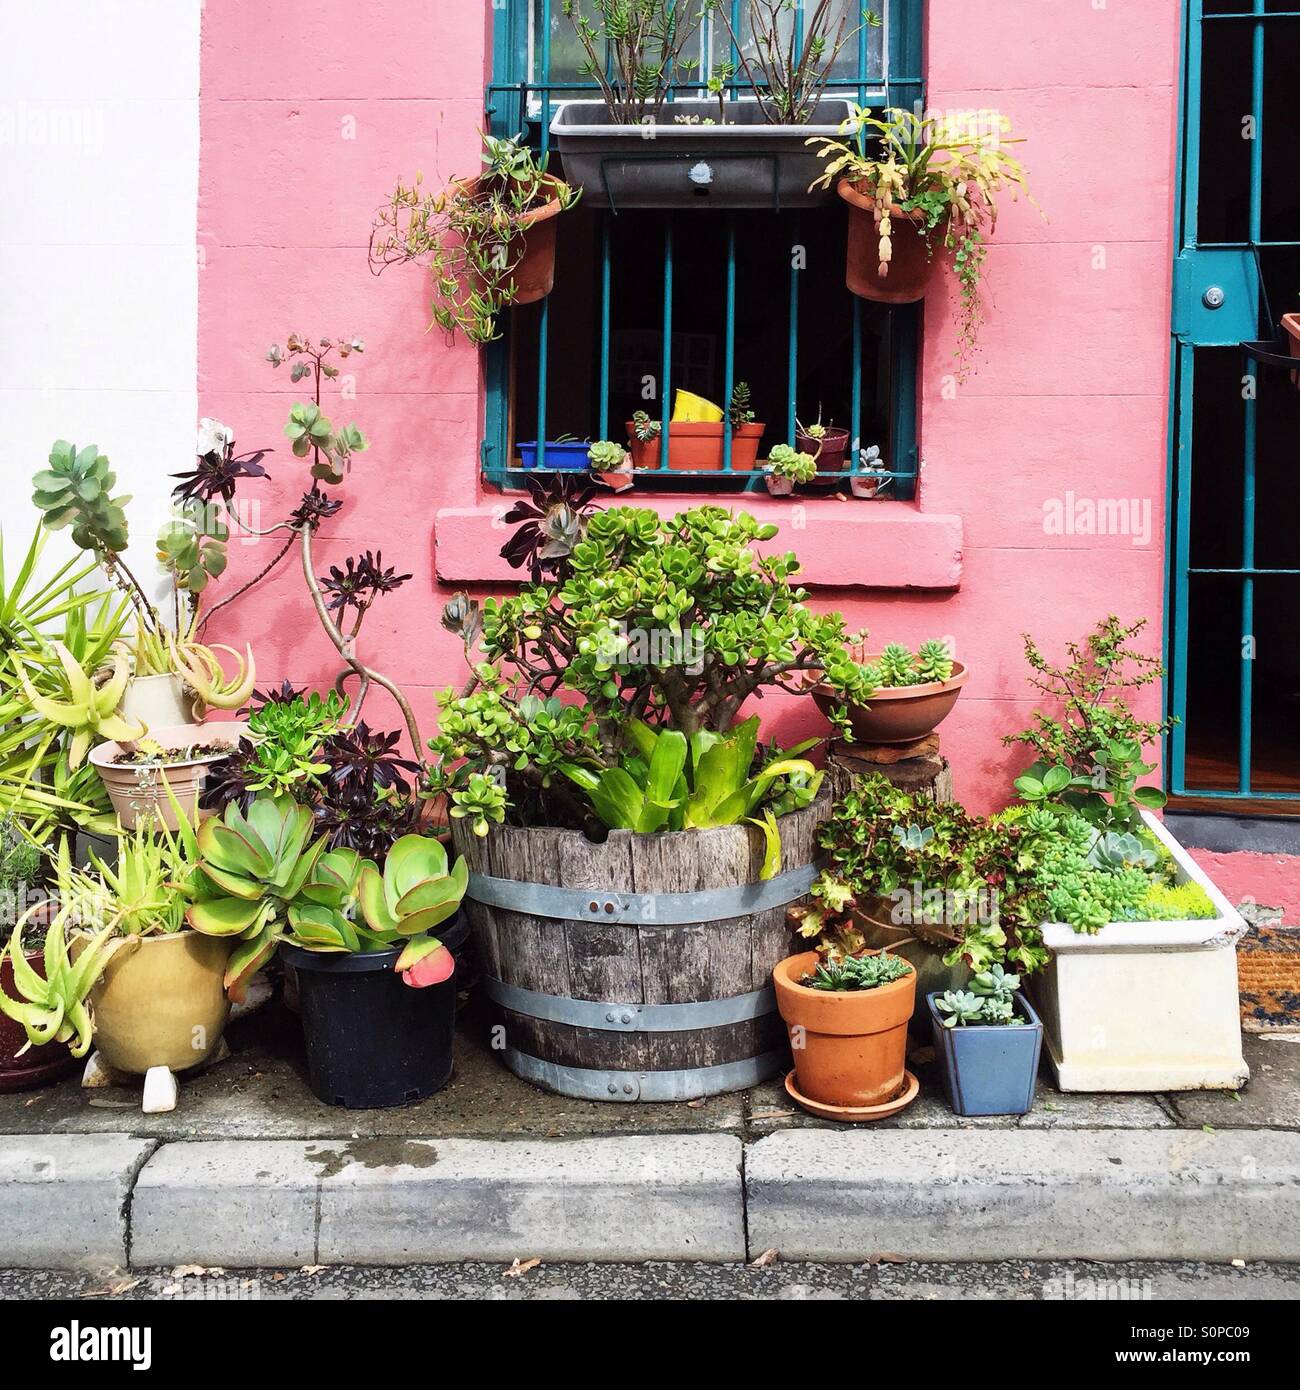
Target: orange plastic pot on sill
[(910, 264), (850, 1046), (698, 447)]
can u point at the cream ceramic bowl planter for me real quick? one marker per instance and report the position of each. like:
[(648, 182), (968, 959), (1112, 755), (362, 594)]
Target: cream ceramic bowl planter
[(1145, 1006)]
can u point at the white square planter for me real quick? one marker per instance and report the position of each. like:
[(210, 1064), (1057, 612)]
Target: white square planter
[(1145, 1006)]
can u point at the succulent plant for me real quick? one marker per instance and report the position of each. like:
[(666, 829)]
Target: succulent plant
[(1121, 849), (311, 430), (53, 1007), (414, 893), (482, 799), (645, 429), (933, 661), (76, 490), (897, 666), (90, 712), (606, 455), (251, 869), (192, 548), (784, 461), (200, 668), (989, 1000), (857, 972), (739, 407)]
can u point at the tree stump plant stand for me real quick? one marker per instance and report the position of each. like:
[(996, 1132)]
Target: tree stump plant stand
[(640, 968)]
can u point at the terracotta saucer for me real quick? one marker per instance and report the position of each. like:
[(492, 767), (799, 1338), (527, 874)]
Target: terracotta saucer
[(857, 1114)]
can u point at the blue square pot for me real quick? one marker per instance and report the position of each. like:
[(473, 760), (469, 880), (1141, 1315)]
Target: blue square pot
[(989, 1069), (571, 454)]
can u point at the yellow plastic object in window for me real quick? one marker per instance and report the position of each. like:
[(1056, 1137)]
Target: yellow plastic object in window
[(690, 409)]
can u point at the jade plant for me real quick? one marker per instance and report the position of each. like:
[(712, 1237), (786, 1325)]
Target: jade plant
[(671, 623), (944, 167), (856, 972), (471, 234)]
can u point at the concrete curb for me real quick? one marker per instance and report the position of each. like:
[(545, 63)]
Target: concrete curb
[(75, 1201), (65, 1198), (994, 1194)]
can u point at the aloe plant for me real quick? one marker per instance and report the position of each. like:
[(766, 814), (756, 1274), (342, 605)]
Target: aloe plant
[(349, 904), (53, 1007), (89, 712), (251, 868)]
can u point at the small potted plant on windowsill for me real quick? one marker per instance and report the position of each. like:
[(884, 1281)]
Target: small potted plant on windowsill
[(1291, 327), (914, 693), (489, 240), (696, 433), (925, 183), (988, 1040), (785, 467), (611, 464), (847, 1021), (828, 444), (741, 145), (871, 477)]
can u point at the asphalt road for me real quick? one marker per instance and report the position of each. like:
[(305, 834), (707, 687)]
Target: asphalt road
[(1003, 1281)]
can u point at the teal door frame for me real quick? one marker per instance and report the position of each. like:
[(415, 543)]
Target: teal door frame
[(1217, 302)]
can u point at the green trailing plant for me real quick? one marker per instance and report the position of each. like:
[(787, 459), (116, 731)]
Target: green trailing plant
[(857, 972), (471, 234), (1089, 756), (785, 461), (52, 1007), (950, 168), (789, 63), (955, 881), (635, 50), (668, 622), (988, 1000)]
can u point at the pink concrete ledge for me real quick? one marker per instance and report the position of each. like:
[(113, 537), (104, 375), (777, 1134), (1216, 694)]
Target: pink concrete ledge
[(843, 545)]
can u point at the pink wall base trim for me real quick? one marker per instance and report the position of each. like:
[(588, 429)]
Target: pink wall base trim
[(1271, 880)]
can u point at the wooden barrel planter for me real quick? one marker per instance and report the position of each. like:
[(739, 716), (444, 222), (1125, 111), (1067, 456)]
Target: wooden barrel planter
[(640, 968)]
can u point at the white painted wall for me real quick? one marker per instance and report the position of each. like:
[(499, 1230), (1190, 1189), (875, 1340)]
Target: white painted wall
[(99, 154)]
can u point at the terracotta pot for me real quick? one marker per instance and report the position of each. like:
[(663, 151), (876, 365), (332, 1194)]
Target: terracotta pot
[(534, 276), (902, 714), (1291, 327), (160, 1001), (139, 793), (616, 479), (834, 449), (849, 1046), (698, 447), (38, 1066), (910, 264), (158, 702)]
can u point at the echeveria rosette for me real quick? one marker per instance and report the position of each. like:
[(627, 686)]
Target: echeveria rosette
[(414, 893), (252, 867)]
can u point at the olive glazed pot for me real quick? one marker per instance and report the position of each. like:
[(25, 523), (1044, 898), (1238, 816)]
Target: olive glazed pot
[(897, 714), (849, 1046), (139, 791), (160, 1001)]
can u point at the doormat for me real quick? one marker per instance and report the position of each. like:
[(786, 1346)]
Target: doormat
[(1268, 974)]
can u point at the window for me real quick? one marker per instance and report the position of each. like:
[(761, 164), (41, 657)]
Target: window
[(650, 302)]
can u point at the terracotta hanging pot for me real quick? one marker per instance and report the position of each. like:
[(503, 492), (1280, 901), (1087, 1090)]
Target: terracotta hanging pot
[(909, 267), (533, 245), (849, 1045)]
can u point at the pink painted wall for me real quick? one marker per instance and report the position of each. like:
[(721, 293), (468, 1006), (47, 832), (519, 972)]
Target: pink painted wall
[(309, 116)]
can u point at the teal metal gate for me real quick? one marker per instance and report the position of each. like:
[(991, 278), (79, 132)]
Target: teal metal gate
[(1222, 315)]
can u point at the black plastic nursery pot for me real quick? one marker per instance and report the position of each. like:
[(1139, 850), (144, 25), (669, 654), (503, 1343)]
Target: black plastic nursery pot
[(373, 1042)]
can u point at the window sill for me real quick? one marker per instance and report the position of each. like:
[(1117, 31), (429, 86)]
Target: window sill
[(842, 545)]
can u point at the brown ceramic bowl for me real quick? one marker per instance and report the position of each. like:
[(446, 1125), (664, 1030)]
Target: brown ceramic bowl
[(901, 714)]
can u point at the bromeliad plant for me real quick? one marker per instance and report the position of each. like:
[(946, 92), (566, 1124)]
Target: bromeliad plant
[(472, 234), (952, 169), (669, 623)]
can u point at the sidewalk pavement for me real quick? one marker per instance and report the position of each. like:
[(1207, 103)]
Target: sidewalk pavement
[(251, 1171)]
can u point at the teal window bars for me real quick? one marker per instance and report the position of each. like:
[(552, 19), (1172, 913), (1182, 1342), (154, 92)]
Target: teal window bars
[(646, 303)]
